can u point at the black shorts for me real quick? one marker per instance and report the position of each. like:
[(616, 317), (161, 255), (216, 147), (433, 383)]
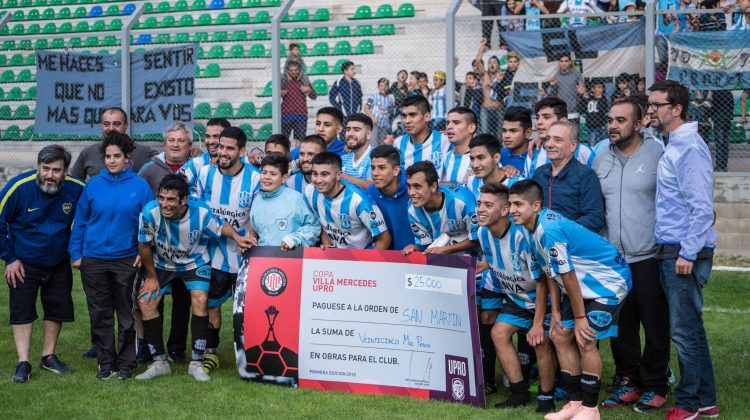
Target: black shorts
[(222, 285), (56, 284), (603, 319), (489, 300), (196, 279), (513, 314)]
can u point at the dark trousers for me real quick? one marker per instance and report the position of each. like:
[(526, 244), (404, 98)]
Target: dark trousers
[(645, 305), (491, 8), (109, 288), (178, 332), (298, 127)]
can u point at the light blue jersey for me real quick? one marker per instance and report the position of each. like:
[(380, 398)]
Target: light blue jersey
[(230, 198), (565, 246), (179, 245), (455, 217), (297, 182), (583, 154), (474, 183), (351, 219), (433, 149), (283, 215), (358, 169), (192, 166), (456, 168), (514, 268)]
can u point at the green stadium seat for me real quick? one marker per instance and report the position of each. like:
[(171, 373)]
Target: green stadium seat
[(167, 22), (365, 46), (30, 60), (25, 44), (75, 41), (387, 29), (5, 30), (9, 44), (22, 113), (220, 36), (24, 76), (64, 13), (259, 34), (201, 53), (65, 28), (109, 41), (239, 35), (242, 18), (115, 25), (264, 132), (99, 26), (224, 110), (80, 12), (322, 15), (199, 131), (301, 15), (49, 13), (266, 111), (302, 48), (92, 41), (33, 29), (234, 4), (40, 3), (246, 110), (248, 130), (363, 12), (336, 68), (225, 19), (163, 39), (41, 43), (112, 10), (55, 2), (320, 48), (28, 133), (197, 70), (204, 19), (384, 11), (163, 7), (185, 20), (148, 8), (273, 3), (82, 26), (33, 14), (262, 17), (150, 23), (320, 86), (16, 60), (5, 113), (200, 36), (26, 3), (18, 29), (282, 50), (254, 3), (320, 32), (342, 48), (341, 31), (299, 33), (284, 33), (3, 63), (363, 30), (202, 111), (318, 67), (212, 70), (267, 90), (257, 51), (58, 43), (198, 5), (14, 94), (405, 10), (17, 16), (182, 38), (237, 51), (181, 6), (7, 76), (217, 51), (12, 132)]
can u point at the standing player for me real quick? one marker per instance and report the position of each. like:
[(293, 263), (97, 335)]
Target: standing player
[(228, 189), (389, 192), (436, 210), (356, 163), (516, 133), (593, 279), (173, 243), (329, 123), (419, 143), (461, 126), (36, 213), (484, 155), (214, 127), (308, 148), (513, 270), (347, 214)]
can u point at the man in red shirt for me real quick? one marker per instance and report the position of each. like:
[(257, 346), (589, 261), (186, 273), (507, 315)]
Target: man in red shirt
[(294, 93)]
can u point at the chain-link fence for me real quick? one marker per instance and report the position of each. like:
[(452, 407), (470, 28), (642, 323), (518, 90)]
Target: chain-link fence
[(586, 57)]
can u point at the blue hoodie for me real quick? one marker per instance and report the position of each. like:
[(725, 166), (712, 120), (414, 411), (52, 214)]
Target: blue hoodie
[(394, 209), (106, 222)]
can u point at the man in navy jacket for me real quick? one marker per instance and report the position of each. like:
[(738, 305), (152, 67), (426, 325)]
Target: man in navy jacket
[(36, 213)]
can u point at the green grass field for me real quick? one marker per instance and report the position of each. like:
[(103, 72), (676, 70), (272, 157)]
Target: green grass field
[(80, 395)]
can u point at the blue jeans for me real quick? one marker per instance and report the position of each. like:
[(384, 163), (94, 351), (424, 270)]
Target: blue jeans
[(685, 298)]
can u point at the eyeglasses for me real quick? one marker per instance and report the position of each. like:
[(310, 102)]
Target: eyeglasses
[(656, 105)]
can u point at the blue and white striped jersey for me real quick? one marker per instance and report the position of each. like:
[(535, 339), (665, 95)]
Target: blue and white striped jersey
[(474, 183), (583, 154), (230, 198), (351, 219), (437, 103), (432, 149), (565, 246), (179, 245), (192, 166), (454, 218), (514, 268), (359, 169), (297, 182), (456, 168)]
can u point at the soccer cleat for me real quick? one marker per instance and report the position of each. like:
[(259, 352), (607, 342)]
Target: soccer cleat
[(616, 382), (123, 375), (490, 389), (53, 364), (627, 393), (23, 372), (195, 370), (711, 412), (675, 413), (567, 412), (515, 401), (89, 354), (649, 401), (544, 406), (105, 374), (211, 362), (176, 357), (587, 413), (156, 369)]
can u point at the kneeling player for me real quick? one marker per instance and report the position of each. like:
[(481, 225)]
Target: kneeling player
[(514, 269), (594, 280), (173, 243)]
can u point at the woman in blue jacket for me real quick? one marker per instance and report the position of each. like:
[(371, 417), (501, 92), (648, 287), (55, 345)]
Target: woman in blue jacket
[(104, 245)]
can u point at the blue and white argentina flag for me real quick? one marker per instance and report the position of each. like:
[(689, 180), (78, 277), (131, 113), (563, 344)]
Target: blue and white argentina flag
[(605, 51), (710, 60)]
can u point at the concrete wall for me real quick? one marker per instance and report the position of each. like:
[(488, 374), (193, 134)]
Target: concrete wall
[(732, 204)]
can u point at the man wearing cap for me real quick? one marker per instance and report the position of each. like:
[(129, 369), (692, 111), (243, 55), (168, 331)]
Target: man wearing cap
[(346, 93), (437, 101)]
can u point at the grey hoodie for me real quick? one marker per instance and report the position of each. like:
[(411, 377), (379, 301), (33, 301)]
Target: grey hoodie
[(154, 171), (630, 198)]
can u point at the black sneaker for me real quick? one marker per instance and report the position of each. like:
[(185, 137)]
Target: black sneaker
[(105, 374), (617, 382), (123, 375), (53, 364), (176, 357), (515, 401), (545, 403), (23, 372), (490, 389), (144, 355), (89, 354)]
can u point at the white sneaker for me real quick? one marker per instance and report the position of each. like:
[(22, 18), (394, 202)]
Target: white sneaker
[(195, 370), (156, 369)]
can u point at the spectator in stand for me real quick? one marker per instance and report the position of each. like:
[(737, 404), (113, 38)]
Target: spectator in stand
[(708, 21), (594, 108), (346, 93), (518, 7), (400, 88), (501, 89), (681, 20), (470, 93), (742, 23), (423, 85), (438, 101), (296, 57), (491, 114), (624, 88), (413, 84), (294, 93), (640, 87), (565, 84), (578, 7), (491, 8), (381, 108)]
